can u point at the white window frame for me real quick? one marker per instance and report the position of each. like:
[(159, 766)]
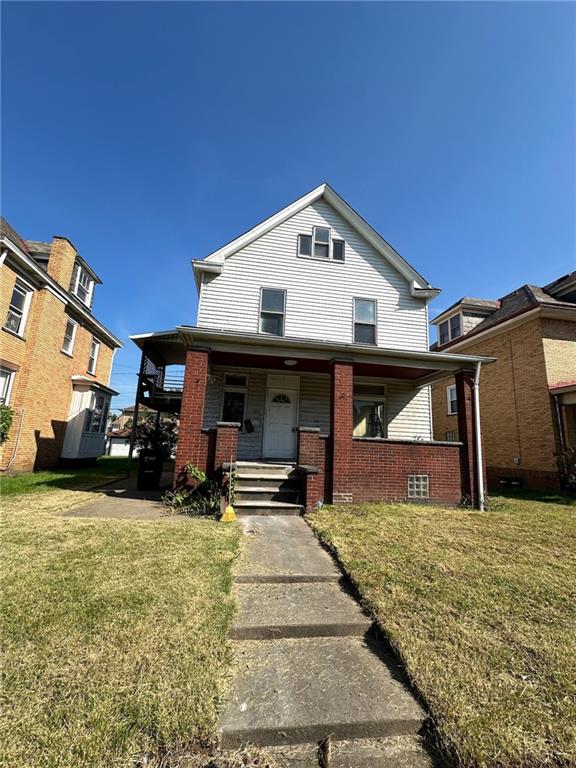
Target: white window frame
[(355, 322), (418, 486), (452, 401), (78, 271), (92, 368), (368, 391), (89, 418), (315, 241), (271, 312), (447, 323), (28, 291), (63, 349), (235, 388), (5, 398)]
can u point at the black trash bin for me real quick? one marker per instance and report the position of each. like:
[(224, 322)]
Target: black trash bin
[(149, 470)]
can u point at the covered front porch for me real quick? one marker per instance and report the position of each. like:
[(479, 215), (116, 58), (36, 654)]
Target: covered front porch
[(356, 420)]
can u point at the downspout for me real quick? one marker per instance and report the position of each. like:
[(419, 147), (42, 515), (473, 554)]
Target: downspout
[(3, 257), (478, 436)]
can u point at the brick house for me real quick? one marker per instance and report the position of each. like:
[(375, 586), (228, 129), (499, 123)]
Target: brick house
[(528, 401), (310, 353), (55, 356)]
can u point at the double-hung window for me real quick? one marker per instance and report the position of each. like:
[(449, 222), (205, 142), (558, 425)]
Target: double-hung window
[(82, 284), (93, 358), (272, 311), (234, 400), (6, 378), (69, 336), (18, 309), (450, 329), (369, 412), (321, 244), (452, 400), (365, 321), (97, 414)]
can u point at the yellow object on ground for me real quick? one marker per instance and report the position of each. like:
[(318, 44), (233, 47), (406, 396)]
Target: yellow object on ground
[(229, 515)]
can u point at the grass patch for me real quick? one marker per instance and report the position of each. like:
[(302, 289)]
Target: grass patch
[(481, 608), (113, 634), (106, 469)]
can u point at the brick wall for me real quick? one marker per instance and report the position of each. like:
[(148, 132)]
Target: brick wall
[(42, 386), (559, 340), (515, 406), (312, 454), (380, 469), (226, 449), (193, 443), (341, 403)]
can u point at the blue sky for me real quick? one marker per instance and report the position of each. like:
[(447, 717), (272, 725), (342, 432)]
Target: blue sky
[(152, 133)]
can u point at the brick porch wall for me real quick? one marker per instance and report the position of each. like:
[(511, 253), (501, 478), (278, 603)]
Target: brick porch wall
[(193, 442), (379, 470), (312, 454)]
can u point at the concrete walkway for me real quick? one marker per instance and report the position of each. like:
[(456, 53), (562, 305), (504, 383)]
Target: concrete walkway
[(308, 664), (122, 501)]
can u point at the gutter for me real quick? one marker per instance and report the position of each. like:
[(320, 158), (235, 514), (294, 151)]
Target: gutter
[(478, 435)]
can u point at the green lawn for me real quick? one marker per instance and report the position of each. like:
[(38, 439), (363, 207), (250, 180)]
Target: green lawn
[(107, 469), (481, 607), (113, 634)]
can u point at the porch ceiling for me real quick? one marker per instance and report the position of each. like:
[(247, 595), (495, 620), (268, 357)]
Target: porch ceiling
[(259, 351)]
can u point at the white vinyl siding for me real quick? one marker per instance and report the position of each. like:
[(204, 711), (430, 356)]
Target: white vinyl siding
[(407, 409), (319, 292)]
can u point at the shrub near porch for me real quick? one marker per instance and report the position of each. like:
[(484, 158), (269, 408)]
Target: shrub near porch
[(481, 608)]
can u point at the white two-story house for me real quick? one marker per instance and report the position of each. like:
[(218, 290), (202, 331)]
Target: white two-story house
[(311, 349)]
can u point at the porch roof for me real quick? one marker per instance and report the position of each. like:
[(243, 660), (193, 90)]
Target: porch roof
[(259, 351)]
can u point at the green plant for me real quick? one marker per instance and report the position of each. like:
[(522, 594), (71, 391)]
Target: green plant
[(158, 435), (203, 499), (6, 417)]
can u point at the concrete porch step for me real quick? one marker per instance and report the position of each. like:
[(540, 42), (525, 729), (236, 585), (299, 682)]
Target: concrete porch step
[(265, 493), (264, 508), (292, 692), (245, 468), (272, 611)]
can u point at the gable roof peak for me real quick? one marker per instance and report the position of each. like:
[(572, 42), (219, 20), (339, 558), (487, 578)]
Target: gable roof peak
[(213, 263)]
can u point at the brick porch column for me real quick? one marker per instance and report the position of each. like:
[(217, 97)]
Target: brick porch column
[(226, 443), (341, 426), (464, 395), (192, 443)]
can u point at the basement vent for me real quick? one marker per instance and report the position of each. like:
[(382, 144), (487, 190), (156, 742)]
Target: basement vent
[(418, 486)]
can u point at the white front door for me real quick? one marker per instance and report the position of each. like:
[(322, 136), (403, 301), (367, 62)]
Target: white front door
[(280, 424)]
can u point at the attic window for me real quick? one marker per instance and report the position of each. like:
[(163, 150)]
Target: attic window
[(82, 285), (321, 245), (450, 329)]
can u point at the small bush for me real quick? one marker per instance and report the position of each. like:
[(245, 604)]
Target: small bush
[(6, 417), (203, 499)]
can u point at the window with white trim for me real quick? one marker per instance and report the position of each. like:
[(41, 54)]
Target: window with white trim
[(69, 336), (93, 357), (369, 410), (272, 311), (418, 486), (365, 321), (321, 245), (97, 414), (6, 379), (321, 242), (82, 284), (452, 400), (234, 398), (19, 308), (450, 329)]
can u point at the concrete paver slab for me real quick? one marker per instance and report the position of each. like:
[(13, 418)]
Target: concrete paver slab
[(268, 611), (294, 691), (283, 548)]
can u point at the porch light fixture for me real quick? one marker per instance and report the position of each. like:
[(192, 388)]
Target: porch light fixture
[(290, 362)]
